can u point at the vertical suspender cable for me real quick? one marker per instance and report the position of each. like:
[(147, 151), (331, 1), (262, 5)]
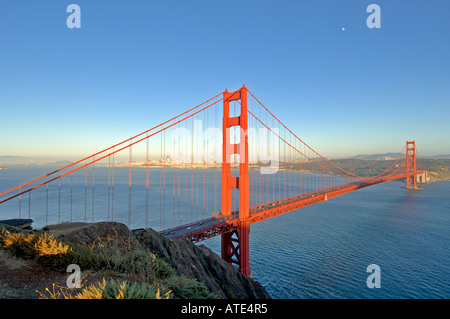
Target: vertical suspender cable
[(71, 195), (186, 159), (46, 205), (109, 184), (146, 181), (112, 189), (206, 159), (164, 178), (173, 190), (59, 200), (85, 193), (161, 182), (178, 170), (29, 204), (93, 188), (20, 202), (129, 183)]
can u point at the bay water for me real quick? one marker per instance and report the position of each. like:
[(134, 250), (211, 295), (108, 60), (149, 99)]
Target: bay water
[(319, 251)]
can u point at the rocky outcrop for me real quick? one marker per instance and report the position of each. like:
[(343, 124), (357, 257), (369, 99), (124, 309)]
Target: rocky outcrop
[(91, 233), (200, 263), (18, 222), (192, 261)]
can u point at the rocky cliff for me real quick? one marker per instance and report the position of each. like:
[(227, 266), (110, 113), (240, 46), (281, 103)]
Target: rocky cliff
[(188, 260), (200, 263)]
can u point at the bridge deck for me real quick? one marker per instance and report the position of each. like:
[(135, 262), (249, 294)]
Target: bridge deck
[(215, 226)]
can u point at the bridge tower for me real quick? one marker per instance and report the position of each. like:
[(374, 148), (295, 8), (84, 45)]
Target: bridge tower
[(411, 164), (235, 244)]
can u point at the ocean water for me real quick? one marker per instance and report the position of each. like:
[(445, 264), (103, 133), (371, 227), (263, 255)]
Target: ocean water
[(319, 251), (323, 250)]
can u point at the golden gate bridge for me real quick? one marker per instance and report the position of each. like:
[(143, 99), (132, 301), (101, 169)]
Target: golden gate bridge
[(213, 170)]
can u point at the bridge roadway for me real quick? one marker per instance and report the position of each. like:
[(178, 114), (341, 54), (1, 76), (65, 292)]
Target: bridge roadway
[(215, 226)]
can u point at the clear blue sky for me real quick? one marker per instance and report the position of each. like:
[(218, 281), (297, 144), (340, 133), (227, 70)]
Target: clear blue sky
[(133, 64)]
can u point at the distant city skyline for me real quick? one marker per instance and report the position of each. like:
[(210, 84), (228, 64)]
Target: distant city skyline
[(342, 87)]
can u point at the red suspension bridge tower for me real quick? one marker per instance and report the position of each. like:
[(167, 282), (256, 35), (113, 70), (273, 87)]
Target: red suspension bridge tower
[(411, 166), (235, 244)]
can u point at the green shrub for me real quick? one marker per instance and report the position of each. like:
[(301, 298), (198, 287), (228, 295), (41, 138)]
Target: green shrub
[(185, 288), (125, 290), (86, 259), (161, 269)]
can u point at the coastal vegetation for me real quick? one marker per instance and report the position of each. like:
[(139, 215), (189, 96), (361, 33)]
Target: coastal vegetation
[(124, 269), (114, 262)]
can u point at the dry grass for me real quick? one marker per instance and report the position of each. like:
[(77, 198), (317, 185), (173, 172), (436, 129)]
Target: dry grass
[(48, 245), (107, 290), (32, 244)]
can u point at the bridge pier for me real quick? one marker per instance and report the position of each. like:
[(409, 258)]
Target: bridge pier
[(244, 250), (235, 247), (422, 178)]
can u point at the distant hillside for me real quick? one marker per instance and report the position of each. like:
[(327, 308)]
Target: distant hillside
[(438, 169), (386, 156), (6, 160), (364, 167), (25, 160), (445, 156)]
